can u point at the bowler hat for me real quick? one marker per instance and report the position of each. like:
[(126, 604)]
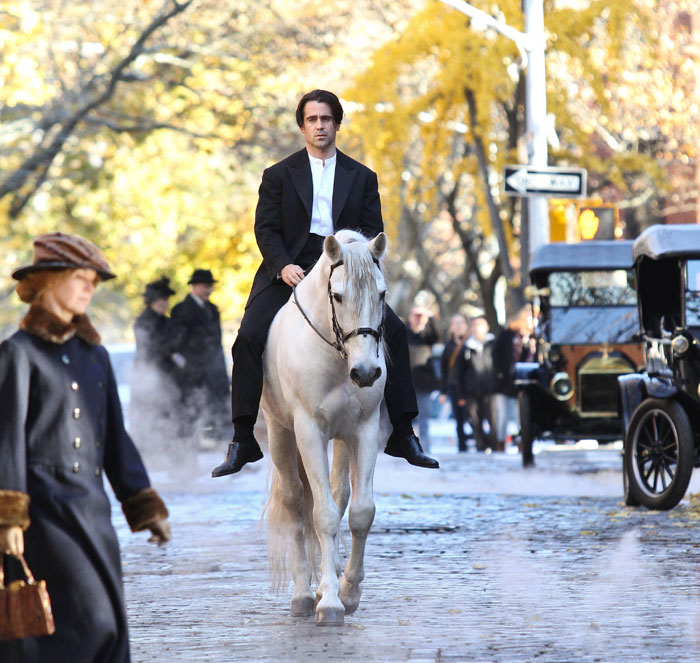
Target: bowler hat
[(61, 251), (159, 289), (202, 276)]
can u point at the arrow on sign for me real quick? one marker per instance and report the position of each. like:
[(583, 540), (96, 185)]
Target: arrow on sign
[(529, 181)]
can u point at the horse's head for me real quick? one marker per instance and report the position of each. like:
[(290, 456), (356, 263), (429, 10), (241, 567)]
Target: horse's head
[(356, 291)]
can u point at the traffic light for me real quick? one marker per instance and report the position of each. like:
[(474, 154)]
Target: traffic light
[(597, 221)]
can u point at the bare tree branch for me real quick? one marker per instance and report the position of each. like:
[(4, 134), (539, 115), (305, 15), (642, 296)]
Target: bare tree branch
[(37, 165)]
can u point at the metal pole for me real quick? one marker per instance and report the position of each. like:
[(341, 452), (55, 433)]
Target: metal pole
[(533, 42), (536, 118)]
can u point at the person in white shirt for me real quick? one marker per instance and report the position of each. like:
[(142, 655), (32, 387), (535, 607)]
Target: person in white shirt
[(302, 199)]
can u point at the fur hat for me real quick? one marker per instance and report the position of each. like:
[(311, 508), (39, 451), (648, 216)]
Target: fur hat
[(61, 251), (201, 276)]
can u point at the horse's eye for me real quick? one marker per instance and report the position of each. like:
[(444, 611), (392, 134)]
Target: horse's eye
[(338, 298)]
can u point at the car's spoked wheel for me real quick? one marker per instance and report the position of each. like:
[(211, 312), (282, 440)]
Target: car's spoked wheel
[(659, 454)]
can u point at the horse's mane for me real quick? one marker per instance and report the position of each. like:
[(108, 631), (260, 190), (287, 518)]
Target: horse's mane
[(359, 267)]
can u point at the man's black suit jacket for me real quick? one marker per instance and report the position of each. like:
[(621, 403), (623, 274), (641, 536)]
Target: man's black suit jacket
[(283, 214)]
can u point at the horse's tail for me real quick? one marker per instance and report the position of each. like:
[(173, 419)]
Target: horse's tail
[(282, 526)]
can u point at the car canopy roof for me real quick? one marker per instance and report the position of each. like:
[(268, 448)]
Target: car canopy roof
[(590, 255), (658, 242)]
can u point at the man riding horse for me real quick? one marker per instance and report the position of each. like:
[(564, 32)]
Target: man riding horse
[(303, 199)]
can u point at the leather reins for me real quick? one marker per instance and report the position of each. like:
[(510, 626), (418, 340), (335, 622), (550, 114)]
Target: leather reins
[(340, 335)]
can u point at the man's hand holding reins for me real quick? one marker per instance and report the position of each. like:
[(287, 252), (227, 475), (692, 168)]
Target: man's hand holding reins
[(292, 275)]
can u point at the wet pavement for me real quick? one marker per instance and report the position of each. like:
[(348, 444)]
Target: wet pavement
[(478, 561)]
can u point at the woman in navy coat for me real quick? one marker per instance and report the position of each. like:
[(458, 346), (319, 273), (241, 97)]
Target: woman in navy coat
[(61, 429)]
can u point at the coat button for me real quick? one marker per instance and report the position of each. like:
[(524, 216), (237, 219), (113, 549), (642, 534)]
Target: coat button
[(76, 413), (74, 386), (98, 444), (98, 471), (76, 467), (65, 359), (77, 442), (101, 385)]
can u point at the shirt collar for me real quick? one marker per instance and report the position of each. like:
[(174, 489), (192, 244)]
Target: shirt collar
[(322, 162)]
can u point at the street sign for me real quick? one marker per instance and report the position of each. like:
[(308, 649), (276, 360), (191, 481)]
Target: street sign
[(539, 181)]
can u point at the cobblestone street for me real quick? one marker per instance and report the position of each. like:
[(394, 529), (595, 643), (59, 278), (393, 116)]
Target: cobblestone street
[(479, 561)]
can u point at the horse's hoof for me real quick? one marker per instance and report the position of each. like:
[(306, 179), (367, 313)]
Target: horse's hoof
[(303, 606), (350, 596), (330, 617)]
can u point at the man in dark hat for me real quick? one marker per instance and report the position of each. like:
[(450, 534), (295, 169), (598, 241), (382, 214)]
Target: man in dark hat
[(154, 395), (203, 381), (303, 199)]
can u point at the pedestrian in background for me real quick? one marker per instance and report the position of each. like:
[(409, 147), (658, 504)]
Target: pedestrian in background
[(203, 380), (61, 428), (422, 335), (477, 381), (451, 371), (154, 395), (507, 350)]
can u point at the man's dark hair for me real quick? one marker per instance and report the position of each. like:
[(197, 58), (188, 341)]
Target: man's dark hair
[(321, 96)]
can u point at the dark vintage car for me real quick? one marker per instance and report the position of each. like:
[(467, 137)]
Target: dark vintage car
[(661, 405), (586, 328)]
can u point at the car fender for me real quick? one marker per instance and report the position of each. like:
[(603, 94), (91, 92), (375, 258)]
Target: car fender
[(526, 373), (632, 392), (635, 387)]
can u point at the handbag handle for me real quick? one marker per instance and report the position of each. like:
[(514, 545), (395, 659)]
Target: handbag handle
[(27, 572)]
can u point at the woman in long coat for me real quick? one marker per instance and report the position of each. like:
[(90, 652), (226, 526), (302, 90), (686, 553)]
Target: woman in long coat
[(61, 429)]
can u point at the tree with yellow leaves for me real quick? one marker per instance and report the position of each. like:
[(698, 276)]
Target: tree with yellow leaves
[(442, 114)]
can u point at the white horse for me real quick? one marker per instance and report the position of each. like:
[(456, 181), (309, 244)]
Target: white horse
[(324, 379)]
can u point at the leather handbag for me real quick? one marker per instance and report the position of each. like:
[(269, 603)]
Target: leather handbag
[(25, 608)]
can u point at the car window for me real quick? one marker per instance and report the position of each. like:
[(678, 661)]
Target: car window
[(600, 288), (692, 293), (603, 324)]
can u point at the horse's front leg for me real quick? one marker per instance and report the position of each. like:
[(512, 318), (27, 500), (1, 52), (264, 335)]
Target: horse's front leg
[(287, 515), (313, 446), (340, 489), (363, 458)]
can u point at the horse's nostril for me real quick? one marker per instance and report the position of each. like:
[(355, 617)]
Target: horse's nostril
[(355, 375), (377, 373)]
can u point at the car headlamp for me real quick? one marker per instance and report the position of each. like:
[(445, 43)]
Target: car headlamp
[(561, 386), (680, 344)]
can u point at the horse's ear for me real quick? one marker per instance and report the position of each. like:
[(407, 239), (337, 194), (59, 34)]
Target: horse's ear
[(378, 245), (332, 247)]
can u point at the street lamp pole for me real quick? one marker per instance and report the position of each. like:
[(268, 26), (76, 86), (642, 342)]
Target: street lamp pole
[(536, 119), (531, 45)]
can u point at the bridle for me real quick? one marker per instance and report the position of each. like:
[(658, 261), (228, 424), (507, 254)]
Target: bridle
[(340, 335)]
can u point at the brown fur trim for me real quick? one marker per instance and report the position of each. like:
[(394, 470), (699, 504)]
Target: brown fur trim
[(144, 509), (14, 509), (49, 327)]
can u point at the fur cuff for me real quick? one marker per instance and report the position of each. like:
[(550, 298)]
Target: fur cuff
[(144, 509), (14, 509)]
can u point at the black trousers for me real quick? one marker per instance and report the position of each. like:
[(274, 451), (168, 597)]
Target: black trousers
[(247, 376)]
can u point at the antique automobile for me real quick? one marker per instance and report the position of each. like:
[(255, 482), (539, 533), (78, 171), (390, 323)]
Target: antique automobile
[(586, 330), (661, 405)]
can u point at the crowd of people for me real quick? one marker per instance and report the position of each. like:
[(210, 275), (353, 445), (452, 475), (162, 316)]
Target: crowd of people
[(474, 374)]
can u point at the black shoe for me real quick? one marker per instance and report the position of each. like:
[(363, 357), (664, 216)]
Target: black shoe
[(239, 453), (408, 447)]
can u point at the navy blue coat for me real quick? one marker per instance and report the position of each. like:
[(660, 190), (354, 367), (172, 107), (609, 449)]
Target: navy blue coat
[(61, 430)]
